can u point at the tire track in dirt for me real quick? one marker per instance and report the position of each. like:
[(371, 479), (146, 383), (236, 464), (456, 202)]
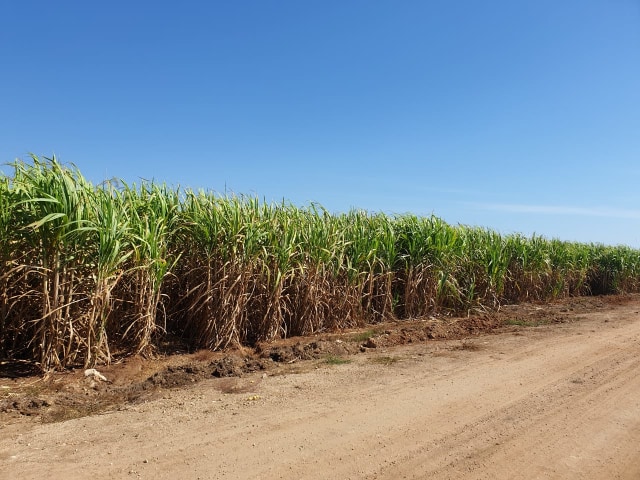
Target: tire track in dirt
[(555, 432)]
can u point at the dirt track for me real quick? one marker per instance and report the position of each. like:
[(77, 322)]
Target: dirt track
[(554, 401)]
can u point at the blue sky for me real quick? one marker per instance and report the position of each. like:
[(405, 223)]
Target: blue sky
[(521, 116)]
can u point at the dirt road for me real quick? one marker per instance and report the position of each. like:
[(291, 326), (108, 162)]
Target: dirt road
[(555, 401)]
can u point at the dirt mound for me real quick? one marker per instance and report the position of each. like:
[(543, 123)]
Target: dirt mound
[(305, 350), (26, 405), (133, 380), (181, 375)]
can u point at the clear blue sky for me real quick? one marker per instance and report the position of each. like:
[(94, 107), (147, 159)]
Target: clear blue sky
[(515, 115)]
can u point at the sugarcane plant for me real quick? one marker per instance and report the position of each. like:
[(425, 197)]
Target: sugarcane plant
[(90, 271)]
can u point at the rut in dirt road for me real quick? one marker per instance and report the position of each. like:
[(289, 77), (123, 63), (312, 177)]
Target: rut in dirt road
[(556, 431)]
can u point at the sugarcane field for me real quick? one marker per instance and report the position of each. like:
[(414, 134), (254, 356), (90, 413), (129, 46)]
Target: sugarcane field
[(150, 331)]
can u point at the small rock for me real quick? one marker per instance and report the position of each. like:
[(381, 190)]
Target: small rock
[(93, 373)]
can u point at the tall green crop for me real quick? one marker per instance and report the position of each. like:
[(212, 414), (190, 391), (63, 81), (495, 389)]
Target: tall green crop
[(86, 270)]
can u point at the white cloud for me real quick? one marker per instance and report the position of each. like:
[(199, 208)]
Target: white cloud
[(558, 210)]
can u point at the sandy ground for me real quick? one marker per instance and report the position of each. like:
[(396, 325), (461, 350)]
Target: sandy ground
[(555, 401)]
